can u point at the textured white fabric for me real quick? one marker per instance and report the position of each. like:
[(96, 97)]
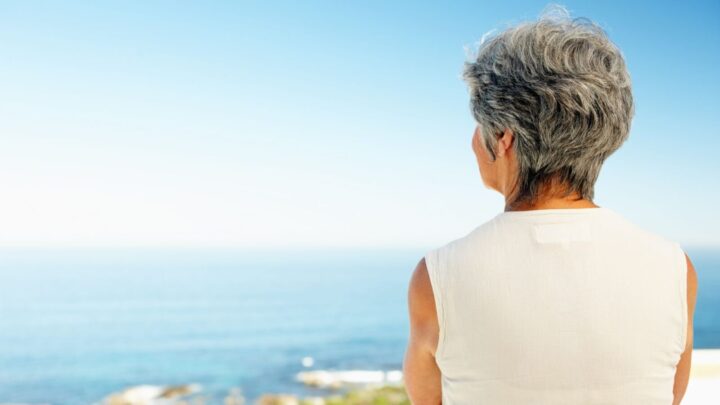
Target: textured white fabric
[(559, 306)]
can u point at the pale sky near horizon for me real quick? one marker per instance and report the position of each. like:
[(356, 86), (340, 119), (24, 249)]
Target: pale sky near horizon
[(278, 124)]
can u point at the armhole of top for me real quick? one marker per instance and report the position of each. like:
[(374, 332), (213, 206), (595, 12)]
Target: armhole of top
[(683, 293), (432, 267)]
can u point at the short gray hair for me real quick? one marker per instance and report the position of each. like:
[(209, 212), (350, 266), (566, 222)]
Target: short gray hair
[(562, 87)]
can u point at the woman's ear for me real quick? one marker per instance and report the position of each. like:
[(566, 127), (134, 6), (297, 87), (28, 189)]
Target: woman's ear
[(505, 140)]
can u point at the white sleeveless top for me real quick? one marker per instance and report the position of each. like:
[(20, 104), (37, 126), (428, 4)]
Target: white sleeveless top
[(559, 306)]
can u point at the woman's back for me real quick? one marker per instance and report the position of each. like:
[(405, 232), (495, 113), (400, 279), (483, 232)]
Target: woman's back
[(555, 306)]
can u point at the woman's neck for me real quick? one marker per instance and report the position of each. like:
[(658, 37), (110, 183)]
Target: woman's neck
[(553, 204), (551, 200)]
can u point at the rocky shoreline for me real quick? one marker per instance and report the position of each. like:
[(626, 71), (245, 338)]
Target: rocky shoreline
[(349, 387)]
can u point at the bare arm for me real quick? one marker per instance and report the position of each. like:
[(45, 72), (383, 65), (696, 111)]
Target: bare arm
[(682, 374), (420, 372)]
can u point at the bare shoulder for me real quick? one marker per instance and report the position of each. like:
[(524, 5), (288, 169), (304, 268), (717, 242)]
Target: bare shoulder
[(421, 303), (692, 282), (420, 293)]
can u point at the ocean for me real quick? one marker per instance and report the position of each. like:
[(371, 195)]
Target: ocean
[(79, 324)]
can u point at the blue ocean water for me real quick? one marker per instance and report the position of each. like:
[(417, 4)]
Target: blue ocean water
[(79, 324)]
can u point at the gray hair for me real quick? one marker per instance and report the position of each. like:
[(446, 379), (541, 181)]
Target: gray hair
[(562, 88)]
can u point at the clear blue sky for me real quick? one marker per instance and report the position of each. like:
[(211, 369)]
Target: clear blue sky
[(314, 124)]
